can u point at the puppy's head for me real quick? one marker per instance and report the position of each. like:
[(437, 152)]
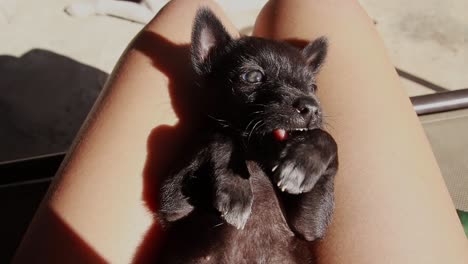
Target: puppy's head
[(260, 86)]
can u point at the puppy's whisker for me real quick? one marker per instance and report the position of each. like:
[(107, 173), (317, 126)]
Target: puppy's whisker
[(254, 119), (328, 126), (259, 105), (260, 126), (217, 119), (256, 112), (220, 224), (253, 129), (223, 123), (250, 123)]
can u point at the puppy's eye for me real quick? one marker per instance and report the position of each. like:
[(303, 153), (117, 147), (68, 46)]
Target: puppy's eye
[(254, 76)]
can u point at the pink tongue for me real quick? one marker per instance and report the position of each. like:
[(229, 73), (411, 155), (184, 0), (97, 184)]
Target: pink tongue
[(279, 134)]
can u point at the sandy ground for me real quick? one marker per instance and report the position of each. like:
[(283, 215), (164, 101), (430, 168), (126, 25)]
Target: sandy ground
[(52, 66)]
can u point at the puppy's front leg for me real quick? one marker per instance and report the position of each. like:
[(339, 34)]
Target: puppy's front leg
[(175, 192), (306, 170), (310, 213), (233, 196)]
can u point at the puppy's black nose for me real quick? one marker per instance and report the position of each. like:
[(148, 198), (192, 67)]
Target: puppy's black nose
[(307, 107)]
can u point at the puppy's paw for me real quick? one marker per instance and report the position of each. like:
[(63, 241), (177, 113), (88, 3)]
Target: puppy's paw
[(234, 201), (174, 203), (303, 161), (173, 211), (290, 177), (297, 175)]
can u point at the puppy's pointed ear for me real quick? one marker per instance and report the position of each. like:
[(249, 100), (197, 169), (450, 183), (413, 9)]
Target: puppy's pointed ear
[(208, 33), (315, 53)]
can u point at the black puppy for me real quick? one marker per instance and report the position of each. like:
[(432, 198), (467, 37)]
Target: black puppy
[(264, 125)]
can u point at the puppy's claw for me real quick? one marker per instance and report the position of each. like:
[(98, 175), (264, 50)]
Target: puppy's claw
[(238, 218), (274, 168), (290, 177), (235, 205)]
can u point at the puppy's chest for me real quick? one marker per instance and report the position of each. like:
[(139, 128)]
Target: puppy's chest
[(266, 237)]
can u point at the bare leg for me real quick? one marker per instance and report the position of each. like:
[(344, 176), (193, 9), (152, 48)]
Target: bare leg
[(101, 205), (391, 202)]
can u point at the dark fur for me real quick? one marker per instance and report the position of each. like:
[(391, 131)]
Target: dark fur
[(245, 197)]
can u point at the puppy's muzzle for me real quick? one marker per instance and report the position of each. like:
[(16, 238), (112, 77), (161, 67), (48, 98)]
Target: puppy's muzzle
[(308, 109)]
